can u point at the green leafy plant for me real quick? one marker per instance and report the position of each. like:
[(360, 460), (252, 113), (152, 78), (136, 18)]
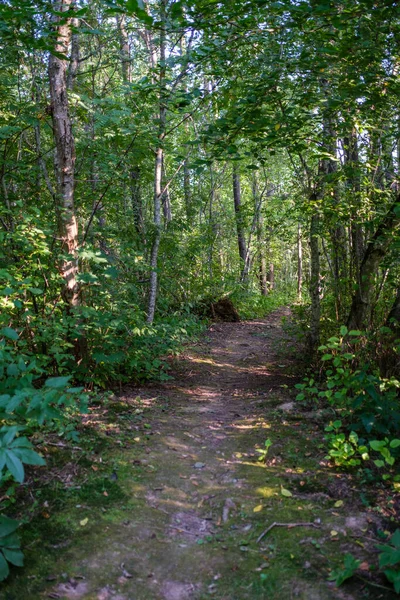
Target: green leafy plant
[(389, 560), (14, 451), (369, 401), (9, 546), (263, 452), (385, 447), (350, 566), (344, 450)]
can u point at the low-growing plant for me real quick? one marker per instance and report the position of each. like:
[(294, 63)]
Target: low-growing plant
[(263, 452), (15, 452), (389, 560), (341, 574), (344, 450), (10, 545), (389, 563)]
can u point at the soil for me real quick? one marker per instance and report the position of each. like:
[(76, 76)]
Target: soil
[(171, 497)]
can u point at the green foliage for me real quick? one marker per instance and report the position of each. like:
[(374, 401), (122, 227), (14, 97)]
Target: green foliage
[(263, 452), (389, 560), (367, 401), (253, 305), (9, 546), (341, 574), (14, 451), (343, 449), (389, 563)]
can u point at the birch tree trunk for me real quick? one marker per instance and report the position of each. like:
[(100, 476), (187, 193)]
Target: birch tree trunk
[(65, 156), (158, 168)]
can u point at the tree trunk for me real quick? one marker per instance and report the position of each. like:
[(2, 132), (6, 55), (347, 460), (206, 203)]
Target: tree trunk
[(354, 184), (166, 201), (315, 283), (158, 168), (299, 263), (239, 221), (124, 49), (187, 191), (262, 266), (378, 246), (65, 156), (74, 62), (393, 319), (271, 276)]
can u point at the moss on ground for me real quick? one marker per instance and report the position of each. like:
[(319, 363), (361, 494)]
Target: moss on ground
[(165, 497)]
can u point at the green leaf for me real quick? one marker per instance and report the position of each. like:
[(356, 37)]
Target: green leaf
[(4, 570), (11, 541), (343, 330), (15, 466), (21, 442), (377, 445), (9, 333), (395, 539), (394, 443), (353, 438), (15, 557), (7, 526), (394, 577), (57, 382), (29, 457), (9, 435)]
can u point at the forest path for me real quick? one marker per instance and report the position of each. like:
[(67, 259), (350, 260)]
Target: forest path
[(194, 498)]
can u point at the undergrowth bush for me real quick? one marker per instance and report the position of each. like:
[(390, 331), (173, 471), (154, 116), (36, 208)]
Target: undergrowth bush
[(253, 305), (367, 403)]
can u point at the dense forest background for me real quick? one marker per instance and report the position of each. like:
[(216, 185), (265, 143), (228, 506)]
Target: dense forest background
[(158, 156)]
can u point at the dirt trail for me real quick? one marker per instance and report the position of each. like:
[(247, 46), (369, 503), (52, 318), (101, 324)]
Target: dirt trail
[(189, 522)]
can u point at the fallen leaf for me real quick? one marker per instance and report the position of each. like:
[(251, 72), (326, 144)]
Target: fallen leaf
[(84, 522), (334, 533), (338, 504), (258, 508), (286, 492)]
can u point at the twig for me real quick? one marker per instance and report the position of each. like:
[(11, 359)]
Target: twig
[(288, 525), (377, 585)]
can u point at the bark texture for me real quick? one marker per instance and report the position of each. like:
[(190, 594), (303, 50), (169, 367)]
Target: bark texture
[(158, 168), (239, 221), (378, 246), (314, 282), (65, 155)]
